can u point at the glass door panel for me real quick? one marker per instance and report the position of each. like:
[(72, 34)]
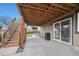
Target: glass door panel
[(57, 31), (65, 31)]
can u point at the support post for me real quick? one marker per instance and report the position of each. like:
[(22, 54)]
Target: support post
[(22, 32)]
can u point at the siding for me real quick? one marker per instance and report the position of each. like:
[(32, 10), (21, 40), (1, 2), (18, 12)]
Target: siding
[(46, 28), (49, 28), (75, 35)]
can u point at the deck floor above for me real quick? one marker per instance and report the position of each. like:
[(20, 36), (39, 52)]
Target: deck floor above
[(37, 46)]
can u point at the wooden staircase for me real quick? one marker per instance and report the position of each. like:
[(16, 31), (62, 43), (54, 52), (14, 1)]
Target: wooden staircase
[(13, 38), (13, 41)]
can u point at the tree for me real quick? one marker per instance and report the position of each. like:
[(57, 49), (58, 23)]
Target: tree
[(7, 21)]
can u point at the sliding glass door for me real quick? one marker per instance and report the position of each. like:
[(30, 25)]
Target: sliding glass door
[(57, 31), (63, 30)]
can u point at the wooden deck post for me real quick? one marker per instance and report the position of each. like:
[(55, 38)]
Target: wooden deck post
[(22, 32)]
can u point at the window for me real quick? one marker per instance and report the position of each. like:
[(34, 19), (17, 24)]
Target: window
[(78, 22)]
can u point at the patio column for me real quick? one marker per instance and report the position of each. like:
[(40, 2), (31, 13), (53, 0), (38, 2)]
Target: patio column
[(22, 32)]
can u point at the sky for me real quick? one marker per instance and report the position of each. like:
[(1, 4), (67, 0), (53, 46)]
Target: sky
[(9, 9)]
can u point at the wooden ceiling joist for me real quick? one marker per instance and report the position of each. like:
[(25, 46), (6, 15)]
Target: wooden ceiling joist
[(41, 13), (73, 5), (39, 9), (51, 7), (37, 12), (61, 6), (46, 8)]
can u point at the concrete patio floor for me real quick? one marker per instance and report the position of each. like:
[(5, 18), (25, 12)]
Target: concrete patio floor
[(37, 46), (8, 50)]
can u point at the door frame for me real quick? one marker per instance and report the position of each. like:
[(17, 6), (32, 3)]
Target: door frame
[(60, 30)]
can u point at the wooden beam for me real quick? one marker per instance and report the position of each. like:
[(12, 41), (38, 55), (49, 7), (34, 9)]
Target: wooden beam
[(42, 19), (42, 10), (51, 8), (61, 6), (48, 15), (21, 13), (43, 14), (49, 20), (47, 8), (73, 5), (68, 14), (39, 14), (36, 12), (22, 32)]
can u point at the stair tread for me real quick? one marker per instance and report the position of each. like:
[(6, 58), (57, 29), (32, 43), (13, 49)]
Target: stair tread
[(14, 40), (10, 44), (14, 37)]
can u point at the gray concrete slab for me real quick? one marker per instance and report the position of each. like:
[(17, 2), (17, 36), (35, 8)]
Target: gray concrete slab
[(8, 50), (37, 46)]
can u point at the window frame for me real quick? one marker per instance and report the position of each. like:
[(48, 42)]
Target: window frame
[(77, 22)]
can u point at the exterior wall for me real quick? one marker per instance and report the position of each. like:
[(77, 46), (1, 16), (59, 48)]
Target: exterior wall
[(75, 35), (49, 28), (46, 28)]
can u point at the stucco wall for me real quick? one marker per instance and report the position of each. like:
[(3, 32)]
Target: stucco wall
[(49, 28)]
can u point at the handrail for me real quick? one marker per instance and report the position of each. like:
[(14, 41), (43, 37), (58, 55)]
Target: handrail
[(20, 26), (7, 35), (9, 28), (0, 38)]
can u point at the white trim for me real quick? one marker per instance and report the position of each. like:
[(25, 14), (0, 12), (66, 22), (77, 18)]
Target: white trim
[(77, 21), (71, 29), (60, 29)]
